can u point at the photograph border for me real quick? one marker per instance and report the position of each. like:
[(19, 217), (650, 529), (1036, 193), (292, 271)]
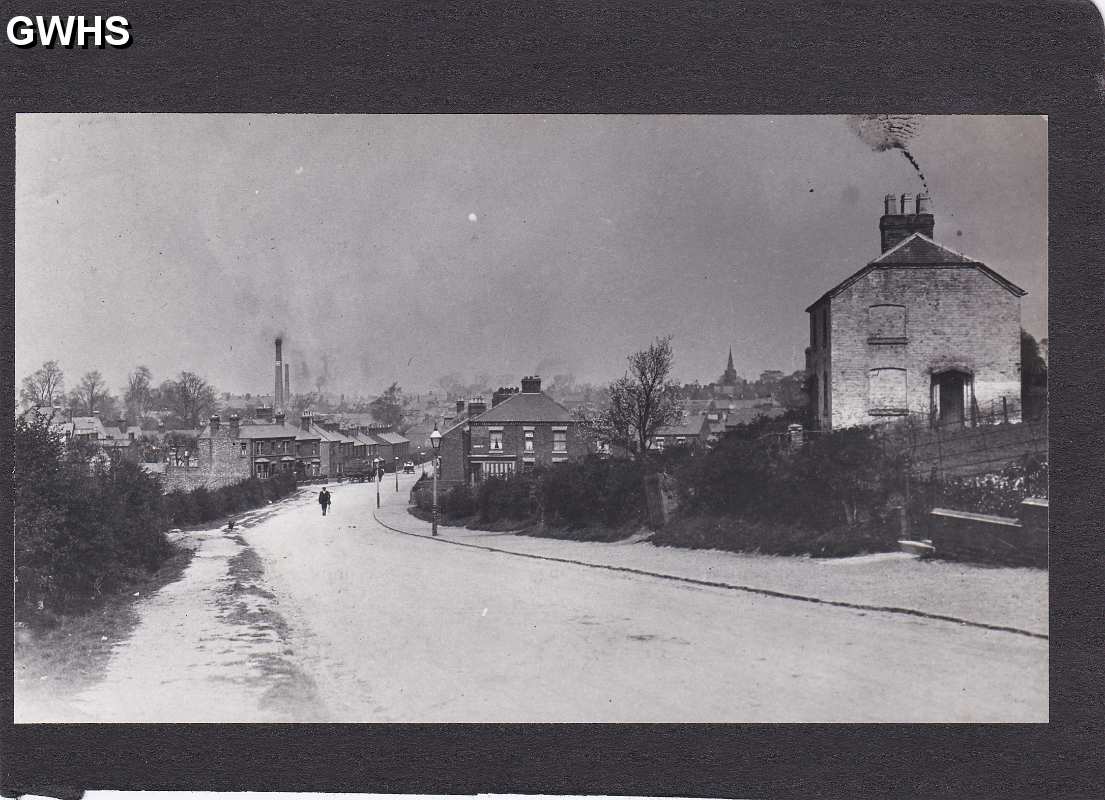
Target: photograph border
[(755, 58)]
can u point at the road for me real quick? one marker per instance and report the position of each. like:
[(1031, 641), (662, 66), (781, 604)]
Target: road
[(336, 618)]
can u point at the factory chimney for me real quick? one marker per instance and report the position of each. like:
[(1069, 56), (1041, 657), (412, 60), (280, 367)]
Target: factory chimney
[(278, 389), (287, 384)]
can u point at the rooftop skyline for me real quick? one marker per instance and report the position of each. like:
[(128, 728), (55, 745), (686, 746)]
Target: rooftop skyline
[(403, 248)]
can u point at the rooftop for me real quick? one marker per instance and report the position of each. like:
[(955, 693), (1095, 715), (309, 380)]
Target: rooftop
[(527, 407)]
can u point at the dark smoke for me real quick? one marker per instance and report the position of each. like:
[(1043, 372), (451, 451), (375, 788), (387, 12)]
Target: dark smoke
[(883, 132)]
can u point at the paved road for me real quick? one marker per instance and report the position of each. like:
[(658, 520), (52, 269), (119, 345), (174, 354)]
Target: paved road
[(409, 629), (336, 618)]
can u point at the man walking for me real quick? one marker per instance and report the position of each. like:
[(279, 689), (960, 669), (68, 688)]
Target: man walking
[(324, 500)]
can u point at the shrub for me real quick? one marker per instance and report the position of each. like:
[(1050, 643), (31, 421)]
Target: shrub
[(457, 502), (83, 525), (510, 498), (593, 491)]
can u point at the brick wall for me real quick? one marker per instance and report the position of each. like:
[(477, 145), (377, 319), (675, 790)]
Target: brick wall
[(514, 438), (452, 455), (954, 318), (455, 448)]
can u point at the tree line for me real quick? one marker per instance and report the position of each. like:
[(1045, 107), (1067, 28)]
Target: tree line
[(184, 401)]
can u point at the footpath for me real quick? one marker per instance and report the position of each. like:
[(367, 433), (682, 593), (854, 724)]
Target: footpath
[(1007, 599)]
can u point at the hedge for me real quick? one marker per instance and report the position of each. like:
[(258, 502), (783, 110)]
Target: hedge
[(87, 525)]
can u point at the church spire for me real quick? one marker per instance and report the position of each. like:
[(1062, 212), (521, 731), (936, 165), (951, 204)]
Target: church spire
[(729, 377)]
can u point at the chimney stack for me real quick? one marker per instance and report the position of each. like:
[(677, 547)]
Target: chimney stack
[(278, 389), (460, 406), (121, 424), (234, 423), (305, 420), (476, 406), (501, 394), (279, 416), (898, 223), (214, 425), (531, 384)]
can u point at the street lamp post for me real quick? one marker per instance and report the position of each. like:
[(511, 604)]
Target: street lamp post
[(376, 462), (435, 440), (397, 473)]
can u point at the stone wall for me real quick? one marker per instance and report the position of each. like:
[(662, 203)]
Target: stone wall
[(222, 461), (954, 318), (962, 536)]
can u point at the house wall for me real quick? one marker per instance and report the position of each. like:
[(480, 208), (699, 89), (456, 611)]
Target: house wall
[(514, 442), (954, 318), (220, 464), (453, 455)]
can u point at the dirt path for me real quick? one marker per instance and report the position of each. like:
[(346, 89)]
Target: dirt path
[(212, 646)]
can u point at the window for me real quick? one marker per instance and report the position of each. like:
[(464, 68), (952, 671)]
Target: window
[(498, 469), (242, 449), (886, 324), (825, 327), (529, 441), (496, 441), (825, 393), (886, 391), (560, 441), (658, 443), (258, 447)]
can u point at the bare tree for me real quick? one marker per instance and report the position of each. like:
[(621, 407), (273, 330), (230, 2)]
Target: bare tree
[(192, 398), (139, 393), (642, 401), (91, 392), (43, 387)]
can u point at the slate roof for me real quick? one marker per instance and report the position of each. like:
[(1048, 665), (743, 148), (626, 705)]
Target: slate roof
[(83, 426), (391, 437), (918, 250), (692, 426), (527, 407)]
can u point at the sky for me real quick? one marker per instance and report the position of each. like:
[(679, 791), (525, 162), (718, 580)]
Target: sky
[(406, 247)]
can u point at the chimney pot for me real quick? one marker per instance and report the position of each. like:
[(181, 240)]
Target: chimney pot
[(891, 204), (896, 228), (924, 204), (214, 424)]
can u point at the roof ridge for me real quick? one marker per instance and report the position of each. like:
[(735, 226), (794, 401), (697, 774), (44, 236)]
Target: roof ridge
[(922, 237)]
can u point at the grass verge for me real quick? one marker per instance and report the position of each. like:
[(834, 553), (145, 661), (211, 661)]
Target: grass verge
[(70, 653)]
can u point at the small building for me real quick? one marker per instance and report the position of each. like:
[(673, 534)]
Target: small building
[(921, 329), (692, 432)]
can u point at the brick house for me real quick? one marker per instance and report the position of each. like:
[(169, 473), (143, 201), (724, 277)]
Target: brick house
[(921, 329), (521, 430)]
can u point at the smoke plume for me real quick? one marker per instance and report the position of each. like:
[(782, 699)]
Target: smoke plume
[(882, 132)]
